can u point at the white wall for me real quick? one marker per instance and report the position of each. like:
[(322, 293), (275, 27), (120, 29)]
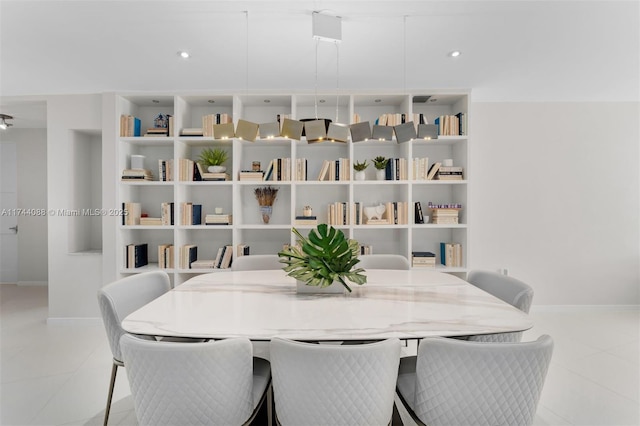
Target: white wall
[(73, 278), (555, 198), (32, 194)]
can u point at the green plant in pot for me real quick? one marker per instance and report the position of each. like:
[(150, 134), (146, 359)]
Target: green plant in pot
[(213, 159), (325, 256), (380, 163), (360, 168)]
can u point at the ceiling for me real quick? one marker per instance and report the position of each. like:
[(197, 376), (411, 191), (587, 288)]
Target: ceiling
[(511, 50)]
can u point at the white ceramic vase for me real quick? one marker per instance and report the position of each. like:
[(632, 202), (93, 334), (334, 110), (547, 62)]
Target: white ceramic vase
[(216, 169), (360, 175), (381, 174)]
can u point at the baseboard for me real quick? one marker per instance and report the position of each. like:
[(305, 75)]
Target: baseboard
[(33, 283), (74, 321), (583, 308)]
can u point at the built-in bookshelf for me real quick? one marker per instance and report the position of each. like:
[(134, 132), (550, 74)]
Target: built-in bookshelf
[(319, 175)]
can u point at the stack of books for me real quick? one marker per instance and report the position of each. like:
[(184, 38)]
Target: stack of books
[(151, 221), (243, 250), (449, 173), (203, 264), (306, 220), (137, 174), (423, 259), (215, 176), (251, 175), (137, 255), (451, 254), (191, 131), (444, 214), (218, 219), (366, 249), (157, 131)]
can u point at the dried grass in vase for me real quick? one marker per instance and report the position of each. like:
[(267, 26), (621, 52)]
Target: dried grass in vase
[(266, 195)]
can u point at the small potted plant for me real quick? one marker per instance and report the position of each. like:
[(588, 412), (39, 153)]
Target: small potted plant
[(213, 159), (380, 163), (324, 258), (360, 168)]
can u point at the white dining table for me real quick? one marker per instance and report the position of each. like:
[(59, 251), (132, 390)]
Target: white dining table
[(407, 304)]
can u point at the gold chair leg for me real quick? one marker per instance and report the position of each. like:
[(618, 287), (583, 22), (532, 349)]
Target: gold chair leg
[(270, 405), (114, 371)]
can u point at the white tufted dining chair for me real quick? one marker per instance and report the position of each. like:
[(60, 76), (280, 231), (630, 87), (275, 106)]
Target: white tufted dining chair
[(507, 289), (117, 300), (383, 261), (334, 385), (207, 383), (255, 262), (456, 382)]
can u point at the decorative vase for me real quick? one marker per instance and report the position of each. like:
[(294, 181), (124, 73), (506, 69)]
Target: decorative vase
[(381, 174), (216, 169), (335, 288), (265, 212), (307, 211), (360, 175)]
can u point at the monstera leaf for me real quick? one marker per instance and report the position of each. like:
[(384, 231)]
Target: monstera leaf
[(325, 256)]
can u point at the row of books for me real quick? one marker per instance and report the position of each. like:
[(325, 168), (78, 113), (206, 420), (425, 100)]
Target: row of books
[(136, 255), (131, 126), (335, 170), (280, 170), (452, 125), (210, 120), (136, 175), (451, 254), (132, 213), (165, 170), (165, 256), (187, 255), (394, 119), (223, 260), (395, 213), (396, 169), (341, 213), (190, 214), (423, 259)]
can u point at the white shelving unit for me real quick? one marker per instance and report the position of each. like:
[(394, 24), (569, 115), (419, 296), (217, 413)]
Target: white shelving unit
[(237, 197)]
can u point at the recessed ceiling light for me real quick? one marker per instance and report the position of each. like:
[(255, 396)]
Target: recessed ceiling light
[(455, 53), (184, 54)]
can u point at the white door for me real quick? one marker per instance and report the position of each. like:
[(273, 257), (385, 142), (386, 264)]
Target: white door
[(8, 213)]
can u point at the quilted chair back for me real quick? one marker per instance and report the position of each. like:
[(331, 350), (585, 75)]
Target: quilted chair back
[(206, 383), (122, 297), (256, 262), (334, 385), (471, 383), (508, 289), (383, 261)]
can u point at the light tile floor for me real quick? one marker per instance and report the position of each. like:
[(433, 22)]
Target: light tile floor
[(58, 374)]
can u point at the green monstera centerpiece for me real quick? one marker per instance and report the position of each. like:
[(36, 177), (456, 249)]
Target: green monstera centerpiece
[(325, 256)]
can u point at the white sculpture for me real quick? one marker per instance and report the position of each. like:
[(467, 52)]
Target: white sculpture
[(374, 212)]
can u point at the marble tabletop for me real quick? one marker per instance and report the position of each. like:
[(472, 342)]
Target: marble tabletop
[(261, 304)]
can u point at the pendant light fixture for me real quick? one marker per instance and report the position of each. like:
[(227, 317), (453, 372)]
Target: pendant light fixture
[(326, 28)]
